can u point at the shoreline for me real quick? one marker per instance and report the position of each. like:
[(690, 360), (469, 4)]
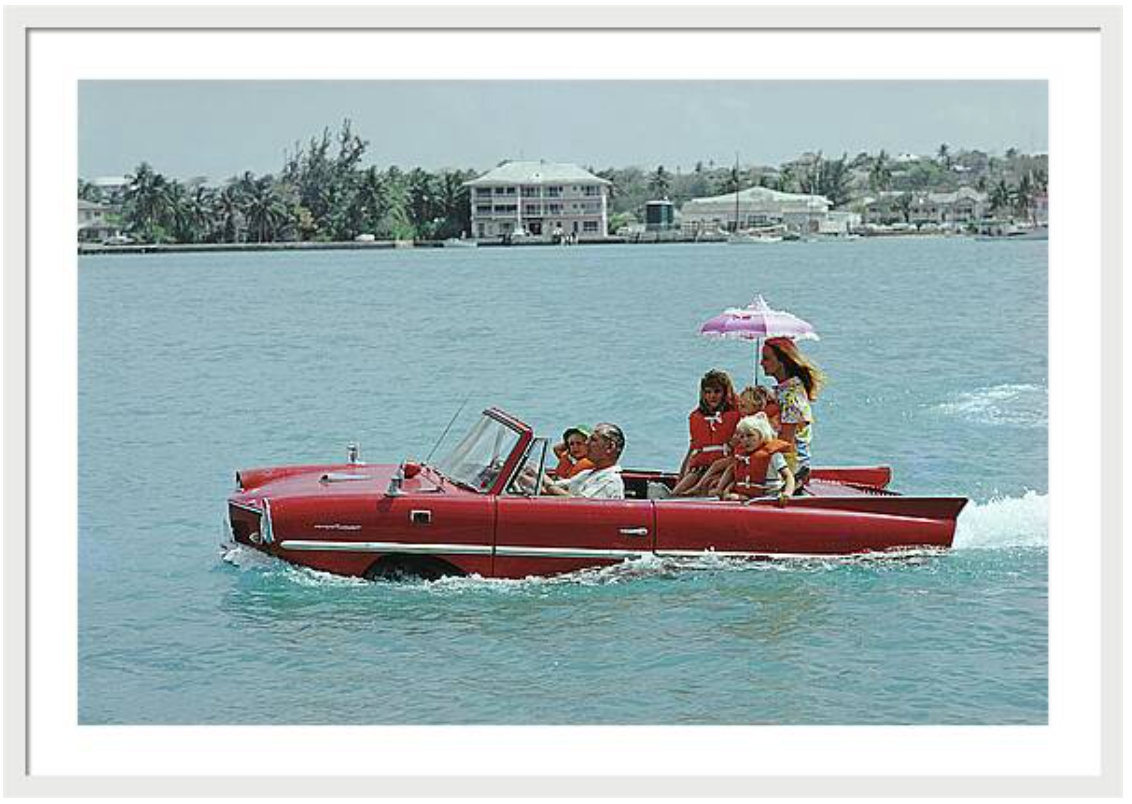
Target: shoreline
[(648, 238)]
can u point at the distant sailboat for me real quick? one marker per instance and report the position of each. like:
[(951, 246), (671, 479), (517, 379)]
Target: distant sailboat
[(748, 236)]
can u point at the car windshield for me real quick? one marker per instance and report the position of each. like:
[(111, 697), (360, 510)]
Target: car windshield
[(478, 459)]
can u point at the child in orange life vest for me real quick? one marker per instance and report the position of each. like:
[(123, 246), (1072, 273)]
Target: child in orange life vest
[(710, 427), (751, 400), (572, 452), (760, 467)]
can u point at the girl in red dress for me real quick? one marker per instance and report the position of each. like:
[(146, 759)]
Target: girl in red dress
[(710, 427)]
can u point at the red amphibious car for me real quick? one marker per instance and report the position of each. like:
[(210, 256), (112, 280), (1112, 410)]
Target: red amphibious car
[(475, 512)]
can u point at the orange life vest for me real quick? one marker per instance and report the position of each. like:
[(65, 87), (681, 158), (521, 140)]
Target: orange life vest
[(709, 435), (750, 468), (567, 467)]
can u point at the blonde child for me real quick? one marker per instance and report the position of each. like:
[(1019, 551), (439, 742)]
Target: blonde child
[(760, 467)]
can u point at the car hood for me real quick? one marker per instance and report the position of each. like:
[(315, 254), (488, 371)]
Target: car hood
[(342, 479)]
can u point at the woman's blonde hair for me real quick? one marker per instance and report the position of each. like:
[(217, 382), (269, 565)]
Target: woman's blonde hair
[(758, 423), (798, 365)]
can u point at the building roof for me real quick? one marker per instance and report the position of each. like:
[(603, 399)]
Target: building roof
[(540, 172), (759, 198), (951, 198), (110, 181)]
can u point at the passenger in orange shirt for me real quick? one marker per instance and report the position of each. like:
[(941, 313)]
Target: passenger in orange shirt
[(573, 452), (751, 400), (710, 427)]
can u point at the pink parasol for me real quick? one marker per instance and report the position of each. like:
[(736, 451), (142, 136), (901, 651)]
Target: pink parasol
[(755, 322)]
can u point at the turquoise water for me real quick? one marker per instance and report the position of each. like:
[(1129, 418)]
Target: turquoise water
[(194, 365)]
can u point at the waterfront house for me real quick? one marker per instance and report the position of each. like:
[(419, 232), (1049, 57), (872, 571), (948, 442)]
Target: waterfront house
[(945, 210), (94, 225), (963, 206), (755, 208), (539, 199)]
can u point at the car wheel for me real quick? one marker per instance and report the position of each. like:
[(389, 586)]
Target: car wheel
[(407, 568)]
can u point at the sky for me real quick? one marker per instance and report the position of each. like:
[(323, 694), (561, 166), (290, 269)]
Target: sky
[(218, 129)]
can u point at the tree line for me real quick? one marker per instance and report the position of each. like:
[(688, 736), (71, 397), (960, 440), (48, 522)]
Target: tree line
[(1012, 181), (324, 193)]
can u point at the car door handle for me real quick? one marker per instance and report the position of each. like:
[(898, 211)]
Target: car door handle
[(634, 531)]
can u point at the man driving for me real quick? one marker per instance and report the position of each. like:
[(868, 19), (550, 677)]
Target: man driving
[(604, 480)]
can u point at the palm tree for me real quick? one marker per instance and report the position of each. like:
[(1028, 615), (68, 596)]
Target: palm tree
[(175, 221), (200, 214), (1023, 197), (880, 174), (147, 202), (787, 179), (945, 156), (89, 192), (731, 181), (229, 215), (904, 205), (370, 203), (833, 181), (454, 202), (1000, 196), (264, 208), (423, 200), (611, 176), (812, 179), (660, 182)]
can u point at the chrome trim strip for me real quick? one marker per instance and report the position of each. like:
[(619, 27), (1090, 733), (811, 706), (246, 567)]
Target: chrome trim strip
[(566, 552), (245, 507), (305, 545), (742, 554), (265, 528), (519, 551)]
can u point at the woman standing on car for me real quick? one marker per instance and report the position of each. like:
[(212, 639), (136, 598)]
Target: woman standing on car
[(799, 383)]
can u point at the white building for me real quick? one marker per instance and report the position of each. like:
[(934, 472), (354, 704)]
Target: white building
[(947, 210), (539, 199), (93, 225), (756, 207)]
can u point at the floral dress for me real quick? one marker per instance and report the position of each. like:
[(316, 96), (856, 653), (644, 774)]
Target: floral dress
[(794, 408)]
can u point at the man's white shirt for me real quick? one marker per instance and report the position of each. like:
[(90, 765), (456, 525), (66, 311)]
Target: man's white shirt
[(597, 484)]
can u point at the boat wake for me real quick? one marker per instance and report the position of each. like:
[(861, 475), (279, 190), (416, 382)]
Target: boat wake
[(1011, 405), (1004, 522), (997, 524), (252, 560)]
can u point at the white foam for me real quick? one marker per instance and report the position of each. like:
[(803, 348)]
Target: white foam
[(244, 557), (248, 558), (1004, 522), (1015, 405)]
